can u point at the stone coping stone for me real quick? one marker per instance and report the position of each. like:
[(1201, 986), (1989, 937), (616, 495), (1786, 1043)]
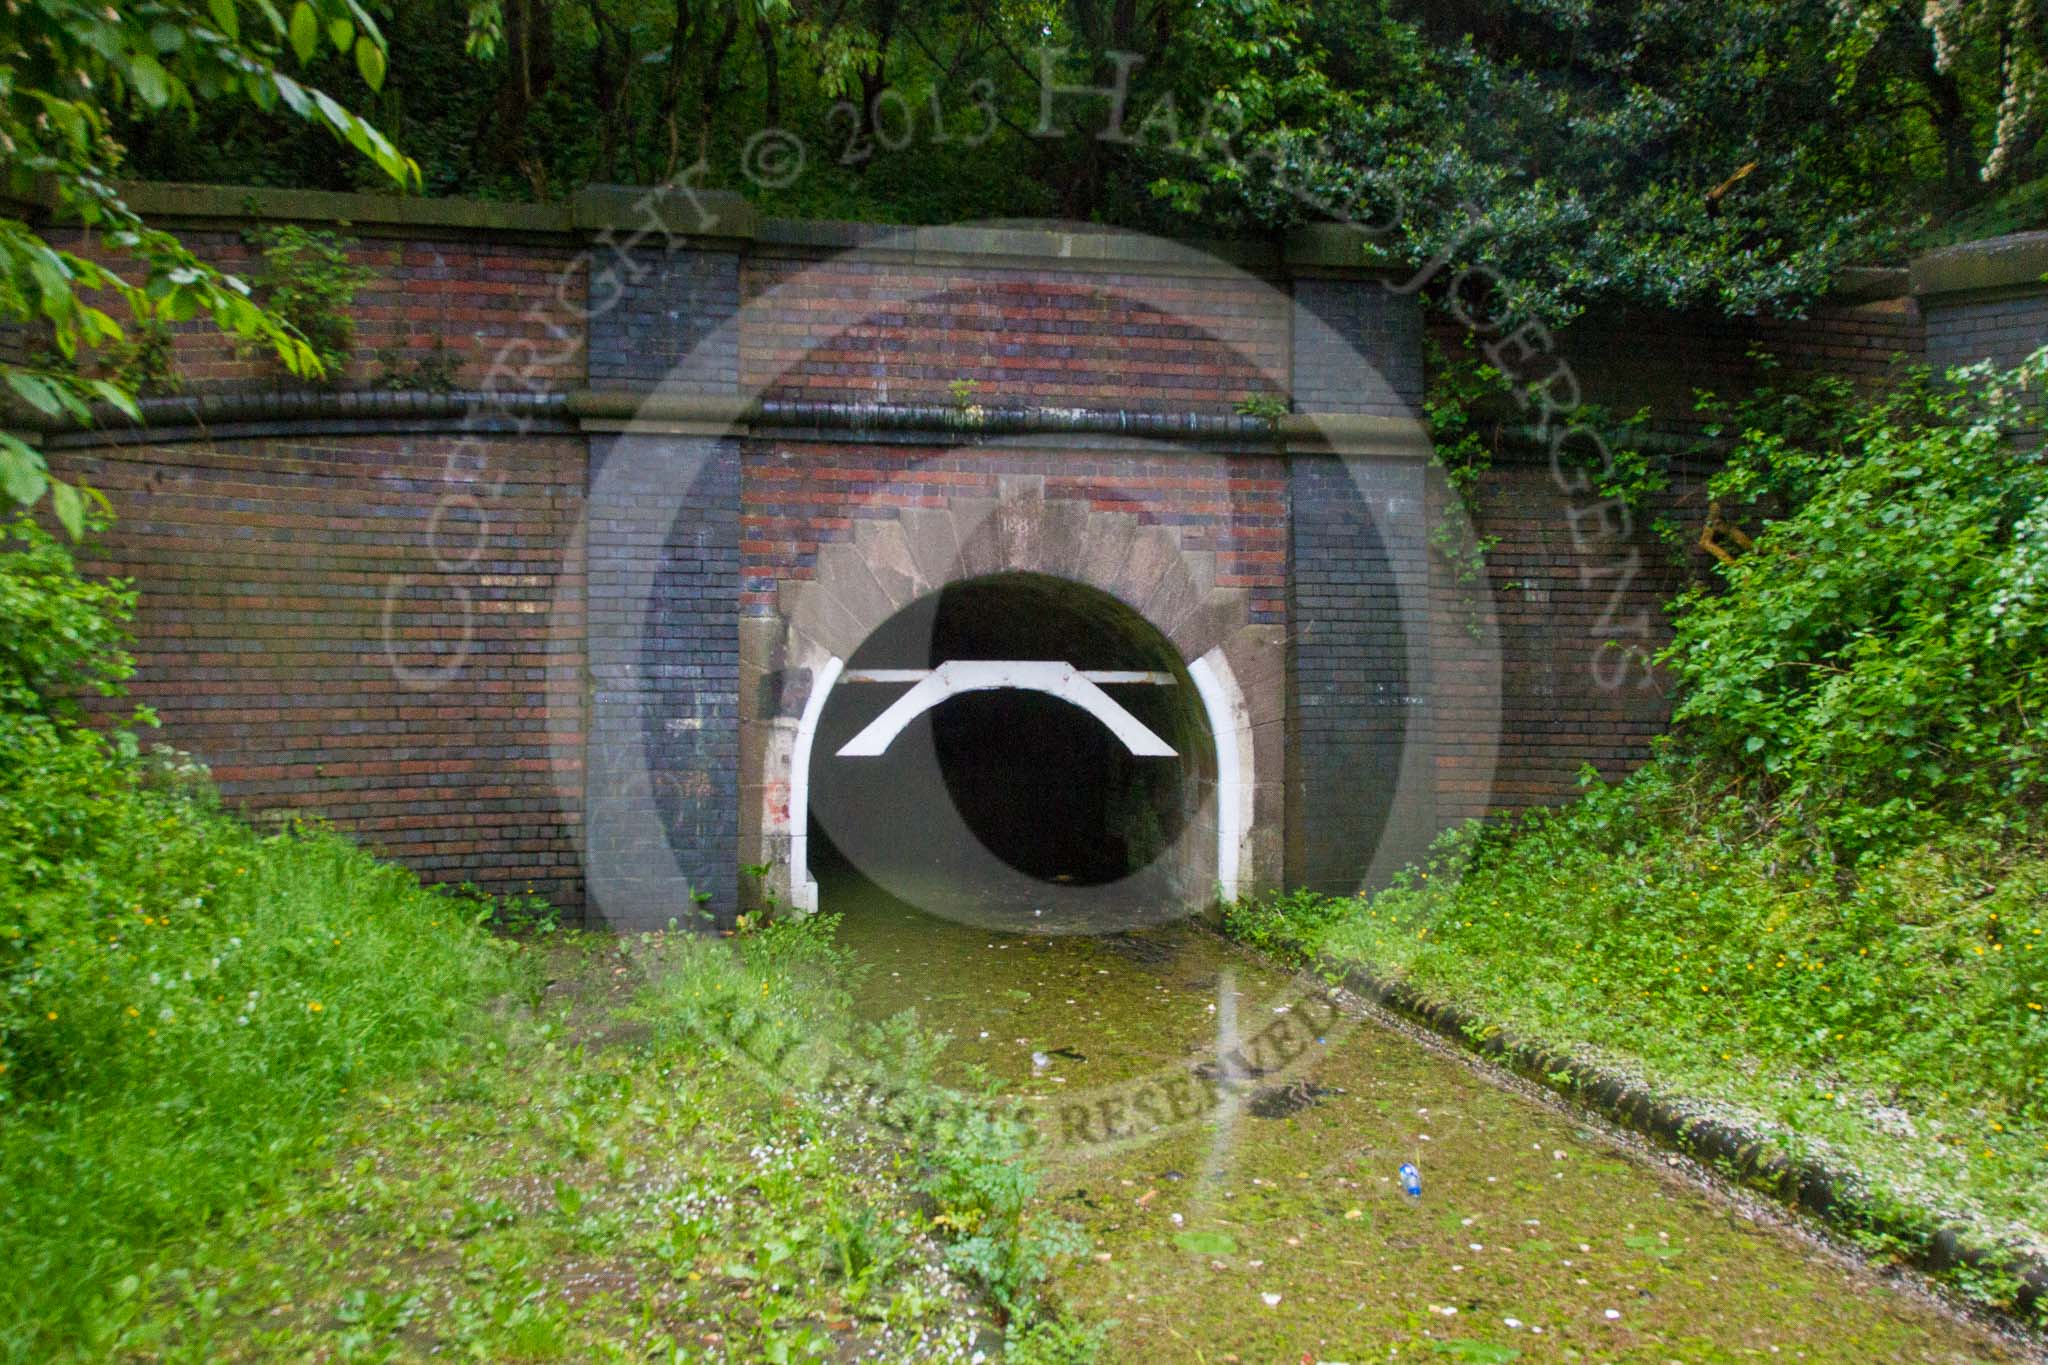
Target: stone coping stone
[(672, 215), (2015, 262), (2018, 261)]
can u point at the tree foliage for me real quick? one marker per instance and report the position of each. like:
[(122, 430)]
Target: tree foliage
[(72, 73), (1729, 154)]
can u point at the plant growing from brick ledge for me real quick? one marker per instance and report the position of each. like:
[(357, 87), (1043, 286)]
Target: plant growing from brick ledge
[(431, 372), (308, 281), (1268, 408)]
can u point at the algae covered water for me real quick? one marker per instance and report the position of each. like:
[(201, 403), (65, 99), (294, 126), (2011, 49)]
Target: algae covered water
[(1231, 1137)]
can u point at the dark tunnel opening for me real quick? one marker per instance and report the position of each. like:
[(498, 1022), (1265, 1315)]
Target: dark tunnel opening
[(1016, 792)]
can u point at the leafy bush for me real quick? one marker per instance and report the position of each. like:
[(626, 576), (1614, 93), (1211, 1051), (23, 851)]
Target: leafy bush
[(1876, 656), (60, 632)]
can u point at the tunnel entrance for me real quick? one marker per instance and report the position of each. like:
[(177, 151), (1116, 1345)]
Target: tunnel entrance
[(997, 795)]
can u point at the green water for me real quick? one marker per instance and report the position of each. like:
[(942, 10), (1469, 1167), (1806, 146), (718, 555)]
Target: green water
[(1259, 1217)]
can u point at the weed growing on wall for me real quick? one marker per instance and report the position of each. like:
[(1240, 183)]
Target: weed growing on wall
[(1472, 421), (307, 279)]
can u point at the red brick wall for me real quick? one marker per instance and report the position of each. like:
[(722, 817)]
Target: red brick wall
[(1560, 588), (1629, 359), (798, 495), (265, 568), (852, 331), (481, 299)]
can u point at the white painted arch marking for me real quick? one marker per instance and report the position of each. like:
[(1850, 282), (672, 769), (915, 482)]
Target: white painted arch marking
[(956, 677), (1229, 726)]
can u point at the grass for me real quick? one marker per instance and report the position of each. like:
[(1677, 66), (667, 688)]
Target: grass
[(578, 1184), (291, 1104), (177, 1049), (1888, 1014), (267, 1097)]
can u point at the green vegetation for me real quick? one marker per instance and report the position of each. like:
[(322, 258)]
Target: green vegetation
[(571, 1184), (183, 1002), (1821, 907), (1677, 152), (265, 1096), (308, 281), (782, 1005)]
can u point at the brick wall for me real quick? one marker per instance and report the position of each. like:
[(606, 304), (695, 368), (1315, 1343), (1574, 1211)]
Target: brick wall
[(1573, 609), (860, 331), (2005, 326), (507, 312), (663, 790), (291, 583), (1629, 359), (662, 321), (266, 555), (1357, 348), (1359, 709)]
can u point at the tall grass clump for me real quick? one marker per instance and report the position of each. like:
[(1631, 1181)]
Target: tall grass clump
[(183, 1001)]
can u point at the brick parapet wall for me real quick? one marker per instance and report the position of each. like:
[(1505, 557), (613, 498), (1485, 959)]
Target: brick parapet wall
[(1629, 360), (1357, 348), (2003, 326), (504, 315), (665, 318), (289, 587), (864, 330)]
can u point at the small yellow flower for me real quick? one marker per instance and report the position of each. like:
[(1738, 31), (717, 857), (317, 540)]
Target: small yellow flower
[(314, 1006), (53, 1016), (134, 1013)]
